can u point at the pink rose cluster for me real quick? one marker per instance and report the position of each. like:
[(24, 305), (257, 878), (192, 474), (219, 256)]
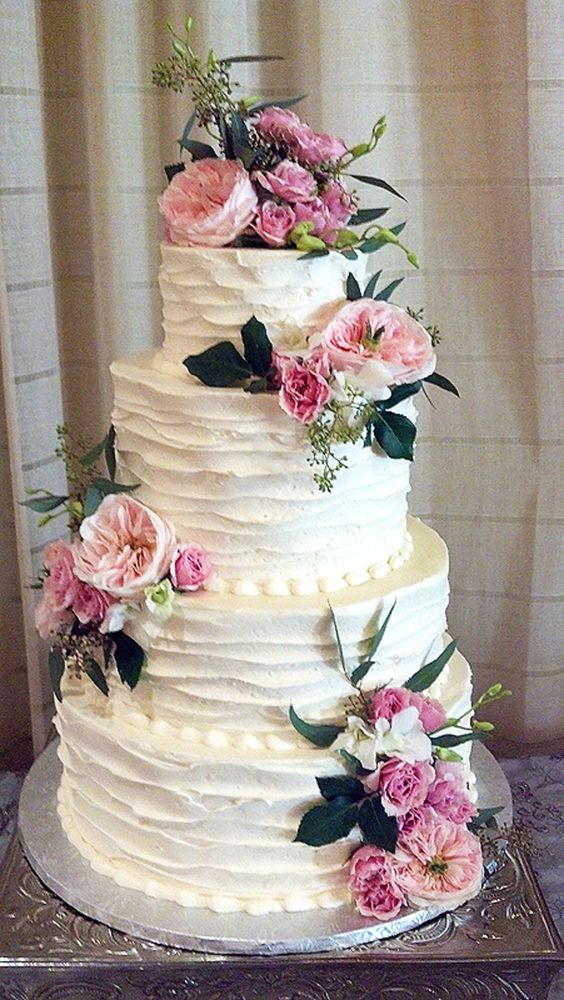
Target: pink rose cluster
[(212, 201), (374, 344), (124, 548)]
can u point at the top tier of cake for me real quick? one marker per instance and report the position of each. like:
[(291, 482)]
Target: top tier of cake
[(230, 469)]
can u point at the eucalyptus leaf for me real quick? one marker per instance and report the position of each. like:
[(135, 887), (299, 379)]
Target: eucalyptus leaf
[(107, 486), (129, 658), (395, 434), (311, 254), (399, 393), (338, 640), (365, 215), (353, 288), (187, 129), (379, 183), (41, 505), (350, 254), (442, 382), (360, 672), (257, 346), (250, 59), (351, 761), (91, 456), (386, 292), (109, 452), (369, 290), (285, 103), (327, 823), (56, 662), (199, 150), (320, 734), (373, 243), (343, 785), (485, 817), (239, 136), (92, 500), (94, 671), (220, 365), (172, 169), (454, 740), (428, 674), (377, 827)]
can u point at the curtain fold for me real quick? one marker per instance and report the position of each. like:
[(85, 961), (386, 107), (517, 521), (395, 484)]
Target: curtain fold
[(472, 92)]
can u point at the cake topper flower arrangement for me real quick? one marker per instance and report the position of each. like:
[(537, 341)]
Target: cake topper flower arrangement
[(405, 789), (122, 560), (265, 178)]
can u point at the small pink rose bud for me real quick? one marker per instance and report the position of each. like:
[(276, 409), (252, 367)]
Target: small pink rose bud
[(190, 567)]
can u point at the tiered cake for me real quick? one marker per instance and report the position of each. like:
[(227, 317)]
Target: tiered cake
[(191, 786)]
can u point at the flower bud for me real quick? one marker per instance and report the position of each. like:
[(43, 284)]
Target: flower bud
[(413, 259), (302, 229), (494, 690), (482, 727), (359, 150), (307, 243), (76, 508), (346, 238), (443, 753), (386, 235)]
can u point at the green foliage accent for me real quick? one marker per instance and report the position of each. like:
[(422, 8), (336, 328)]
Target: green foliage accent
[(350, 254), (43, 504), (286, 103), (442, 382), (129, 658), (187, 130), (379, 183), (109, 452), (341, 422), (100, 488), (94, 671), (220, 365), (353, 762), (343, 786), (312, 254), (376, 826), (321, 735), (56, 670), (365, 215), (449, 755), (327, 823), (228, 60), (428, 674), (353, 288), (257, 347), (485, 817), (338, 640), (386, 292), (359, 673), (456, 739), (395, 434), (374, 243), (199, 150), (399, 393), (369, 290)]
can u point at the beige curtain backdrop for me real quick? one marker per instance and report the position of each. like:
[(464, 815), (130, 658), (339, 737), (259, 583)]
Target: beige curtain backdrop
[(472, 90)]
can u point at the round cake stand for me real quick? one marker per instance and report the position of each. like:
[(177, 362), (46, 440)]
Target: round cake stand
[(63, 870)]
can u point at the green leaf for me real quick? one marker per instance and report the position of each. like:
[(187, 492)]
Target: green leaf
[(351, 761), (485, 817), (92, 500), (240, 137), (129, 657), (341, 785), (187, 129), (338, 640), (455, 740), (350, 254), (399, 393), (395, 434), (428, 674), (327, 823), (369, 290), (172, 169), (285, 103), (353, 288), (56, 670), (107, 486), (442, 382), (360, 672), (199, 150), (384, 295), (322, 735), (257, 346), (377, 827), (96, 675), (220, 365), (314, 253), (43, 504), (90, 457), (110, 453), (250, 59), (365, 215), (377, 182), (373, 244)]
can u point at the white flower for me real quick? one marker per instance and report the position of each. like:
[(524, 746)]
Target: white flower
[(403, 737), (373, 379), (159, 599), (116, 617), (359, 740)]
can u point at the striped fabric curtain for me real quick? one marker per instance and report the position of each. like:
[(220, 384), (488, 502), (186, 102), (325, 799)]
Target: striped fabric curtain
[(472, 92)]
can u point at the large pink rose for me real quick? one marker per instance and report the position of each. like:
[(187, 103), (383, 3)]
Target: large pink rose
[(404, 786), (208, 204), (387, 702), (274, 223), (288, 181), (415, 819), (61, 582), (443, 862), (431, 712), (448, 795), (373, 883), (303, 392), (90, 604), (382, 336), (125, 547), (190, 567)]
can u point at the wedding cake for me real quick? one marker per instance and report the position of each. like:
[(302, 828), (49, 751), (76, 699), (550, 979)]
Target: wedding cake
[(257, 704)]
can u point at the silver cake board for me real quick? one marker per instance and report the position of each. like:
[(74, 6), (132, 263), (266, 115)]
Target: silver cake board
[(62, 869)]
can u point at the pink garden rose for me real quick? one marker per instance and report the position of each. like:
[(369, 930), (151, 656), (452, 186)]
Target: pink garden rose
[(208, 204), (443, 862), (402, 786), (316, 212), (274, 223), (339, 207), (322, 148), (49, 618), (373, 883), (448, 795), (304, 391), (190, 567), (90, 604), (387, 702), (415, 819), (384, 339), (288, 181), (61, 582), (125, 547), (431, 712), (287, 131)]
